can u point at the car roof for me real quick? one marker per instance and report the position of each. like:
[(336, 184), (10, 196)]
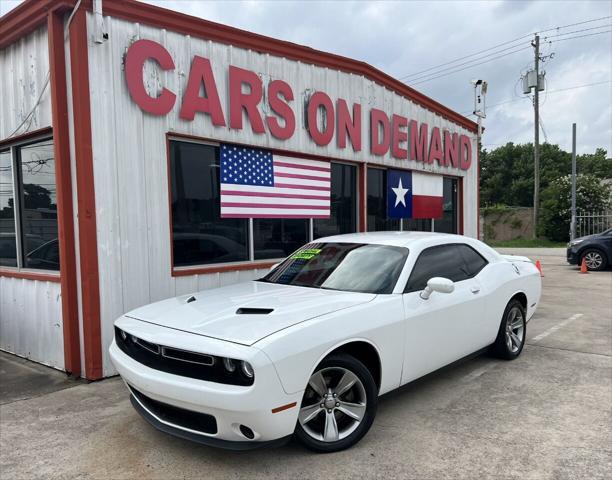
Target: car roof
[(398, 239)]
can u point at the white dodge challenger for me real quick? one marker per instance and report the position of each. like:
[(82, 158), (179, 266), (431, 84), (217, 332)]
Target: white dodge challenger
[(308, 349)]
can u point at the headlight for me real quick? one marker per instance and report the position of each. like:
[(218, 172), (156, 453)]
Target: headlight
[(247, 369), (229, 365), (576, 242)]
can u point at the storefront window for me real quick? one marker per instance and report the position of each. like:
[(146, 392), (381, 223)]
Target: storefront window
[(343, 218), (377, 202), (200, 236), (416, 224), (448, 222), (277, 238), (29, 193), (8, 243)]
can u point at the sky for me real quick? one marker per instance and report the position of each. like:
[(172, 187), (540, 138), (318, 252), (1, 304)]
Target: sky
[(405, 38)]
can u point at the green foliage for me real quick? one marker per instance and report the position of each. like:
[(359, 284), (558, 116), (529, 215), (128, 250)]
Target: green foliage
[(507, 172), (526, 243), (591, 195)]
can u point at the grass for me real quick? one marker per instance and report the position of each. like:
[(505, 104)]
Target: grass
[(526, 243)]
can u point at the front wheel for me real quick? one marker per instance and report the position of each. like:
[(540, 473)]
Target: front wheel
[(512, 332), (595, 259), (339, 405)]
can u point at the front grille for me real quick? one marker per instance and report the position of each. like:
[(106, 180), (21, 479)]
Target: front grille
[(200, 422), (179, 362)]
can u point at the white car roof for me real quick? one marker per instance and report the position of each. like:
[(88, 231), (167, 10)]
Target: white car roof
[(412, 239)]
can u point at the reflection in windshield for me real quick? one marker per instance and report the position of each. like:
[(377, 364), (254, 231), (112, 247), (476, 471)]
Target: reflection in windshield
[(352, 267)]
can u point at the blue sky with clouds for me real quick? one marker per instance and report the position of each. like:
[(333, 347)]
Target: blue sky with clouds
[(402, 38)]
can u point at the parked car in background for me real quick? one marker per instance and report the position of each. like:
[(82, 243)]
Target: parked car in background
[(307, 349), (596, 250)]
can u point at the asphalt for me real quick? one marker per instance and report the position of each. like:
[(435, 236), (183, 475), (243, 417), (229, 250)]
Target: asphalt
[(546, 415)]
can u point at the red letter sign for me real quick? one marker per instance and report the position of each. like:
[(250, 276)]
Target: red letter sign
[(451, 149), (201, 72), (320, 99), (379, 118), (248, 101), (399, 136), (418, 142), (139, 52), (465, 152), (348, 126), (435, 148), (281, 108)]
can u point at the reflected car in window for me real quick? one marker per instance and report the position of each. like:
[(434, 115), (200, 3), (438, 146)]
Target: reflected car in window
[(307, 349)]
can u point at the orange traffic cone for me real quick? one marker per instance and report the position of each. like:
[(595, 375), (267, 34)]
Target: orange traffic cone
[(583, 267), (539, 267)]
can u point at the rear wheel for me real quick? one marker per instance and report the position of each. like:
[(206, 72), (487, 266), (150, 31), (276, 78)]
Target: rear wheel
[(512, 332), (339, 405), (595, 259)]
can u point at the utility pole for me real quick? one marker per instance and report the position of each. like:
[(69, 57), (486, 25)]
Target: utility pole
[(536, 142), (573, 221)]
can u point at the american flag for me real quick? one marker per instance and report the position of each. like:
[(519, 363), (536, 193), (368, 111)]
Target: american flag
[(257, 184)]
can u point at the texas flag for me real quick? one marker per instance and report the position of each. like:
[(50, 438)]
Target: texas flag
[(413, 195)]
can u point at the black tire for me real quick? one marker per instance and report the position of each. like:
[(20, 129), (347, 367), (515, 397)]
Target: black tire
[(350, 363), (592, 256), (501, 347)]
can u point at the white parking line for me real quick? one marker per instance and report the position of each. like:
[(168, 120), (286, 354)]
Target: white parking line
[(556, 327)]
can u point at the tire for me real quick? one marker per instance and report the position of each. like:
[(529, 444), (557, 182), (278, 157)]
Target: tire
[(509, 346), (595, 259), (318, 414)]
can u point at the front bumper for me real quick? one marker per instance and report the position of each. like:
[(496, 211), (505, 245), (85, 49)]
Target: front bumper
[(572, 255), (230, 405)]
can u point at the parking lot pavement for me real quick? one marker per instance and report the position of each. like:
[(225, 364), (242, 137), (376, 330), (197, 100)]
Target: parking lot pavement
[(546, 415)]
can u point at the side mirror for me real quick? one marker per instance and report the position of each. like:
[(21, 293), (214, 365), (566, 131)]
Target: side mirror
[(437, 284)]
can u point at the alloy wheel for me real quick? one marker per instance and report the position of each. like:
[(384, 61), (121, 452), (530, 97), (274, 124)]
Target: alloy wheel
[(593, 260), (334, 404), (515, 329)]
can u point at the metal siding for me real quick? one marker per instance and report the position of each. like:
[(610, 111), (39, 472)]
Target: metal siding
[(130, 158), (31, 320), (24, 66)]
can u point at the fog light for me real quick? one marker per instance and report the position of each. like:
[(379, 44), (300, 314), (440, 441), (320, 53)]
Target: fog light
[(247, 369), (247, 432), (229, 364)]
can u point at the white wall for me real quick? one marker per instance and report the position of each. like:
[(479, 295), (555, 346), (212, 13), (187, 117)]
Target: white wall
[(24, 66), (31, 320), (130, 162), (30, 310)]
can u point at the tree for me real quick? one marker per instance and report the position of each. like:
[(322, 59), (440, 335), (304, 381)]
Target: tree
[(507, 172), (591, 195)]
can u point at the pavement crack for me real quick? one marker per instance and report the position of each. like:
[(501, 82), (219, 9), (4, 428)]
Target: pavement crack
[(568, 350)]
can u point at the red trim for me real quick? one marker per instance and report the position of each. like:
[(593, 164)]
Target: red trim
[(29, 275), (187, 271), (41, 132), (63, 179), (32, 13), (460, 204), (362, 192), (88, 248), (27, 17)]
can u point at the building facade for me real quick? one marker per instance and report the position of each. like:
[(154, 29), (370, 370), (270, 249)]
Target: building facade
[(113, 119)]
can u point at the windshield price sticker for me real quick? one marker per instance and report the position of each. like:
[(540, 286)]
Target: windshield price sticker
[(306, 254)]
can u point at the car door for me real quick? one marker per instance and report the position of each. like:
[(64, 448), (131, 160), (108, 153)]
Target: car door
[(445, 327)]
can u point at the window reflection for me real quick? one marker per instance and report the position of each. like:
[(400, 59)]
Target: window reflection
[(277, 238), (343, 215), (377, 202), (8, 244), (200, 235)]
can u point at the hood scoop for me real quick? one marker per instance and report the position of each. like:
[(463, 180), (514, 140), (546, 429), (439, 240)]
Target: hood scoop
[(253, 311)]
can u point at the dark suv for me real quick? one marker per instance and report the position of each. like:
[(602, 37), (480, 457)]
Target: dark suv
[(596, 250)]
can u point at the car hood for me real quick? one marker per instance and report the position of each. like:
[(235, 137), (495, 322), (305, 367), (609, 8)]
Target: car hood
[(246, 312)]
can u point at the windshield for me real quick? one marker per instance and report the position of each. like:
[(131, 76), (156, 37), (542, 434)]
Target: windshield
[(351, 267)]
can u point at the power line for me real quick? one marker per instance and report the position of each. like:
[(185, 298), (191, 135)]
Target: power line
[(435, 67), (511, 100), (469, 66), (578, 36), (578, 31)]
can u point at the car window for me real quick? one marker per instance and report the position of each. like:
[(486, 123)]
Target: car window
[(441, 261), (473, 260)]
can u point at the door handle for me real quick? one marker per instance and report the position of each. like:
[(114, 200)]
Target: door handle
[(475, 290)]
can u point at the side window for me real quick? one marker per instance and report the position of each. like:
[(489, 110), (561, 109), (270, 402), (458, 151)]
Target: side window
[(473, 260), (442, 261)]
